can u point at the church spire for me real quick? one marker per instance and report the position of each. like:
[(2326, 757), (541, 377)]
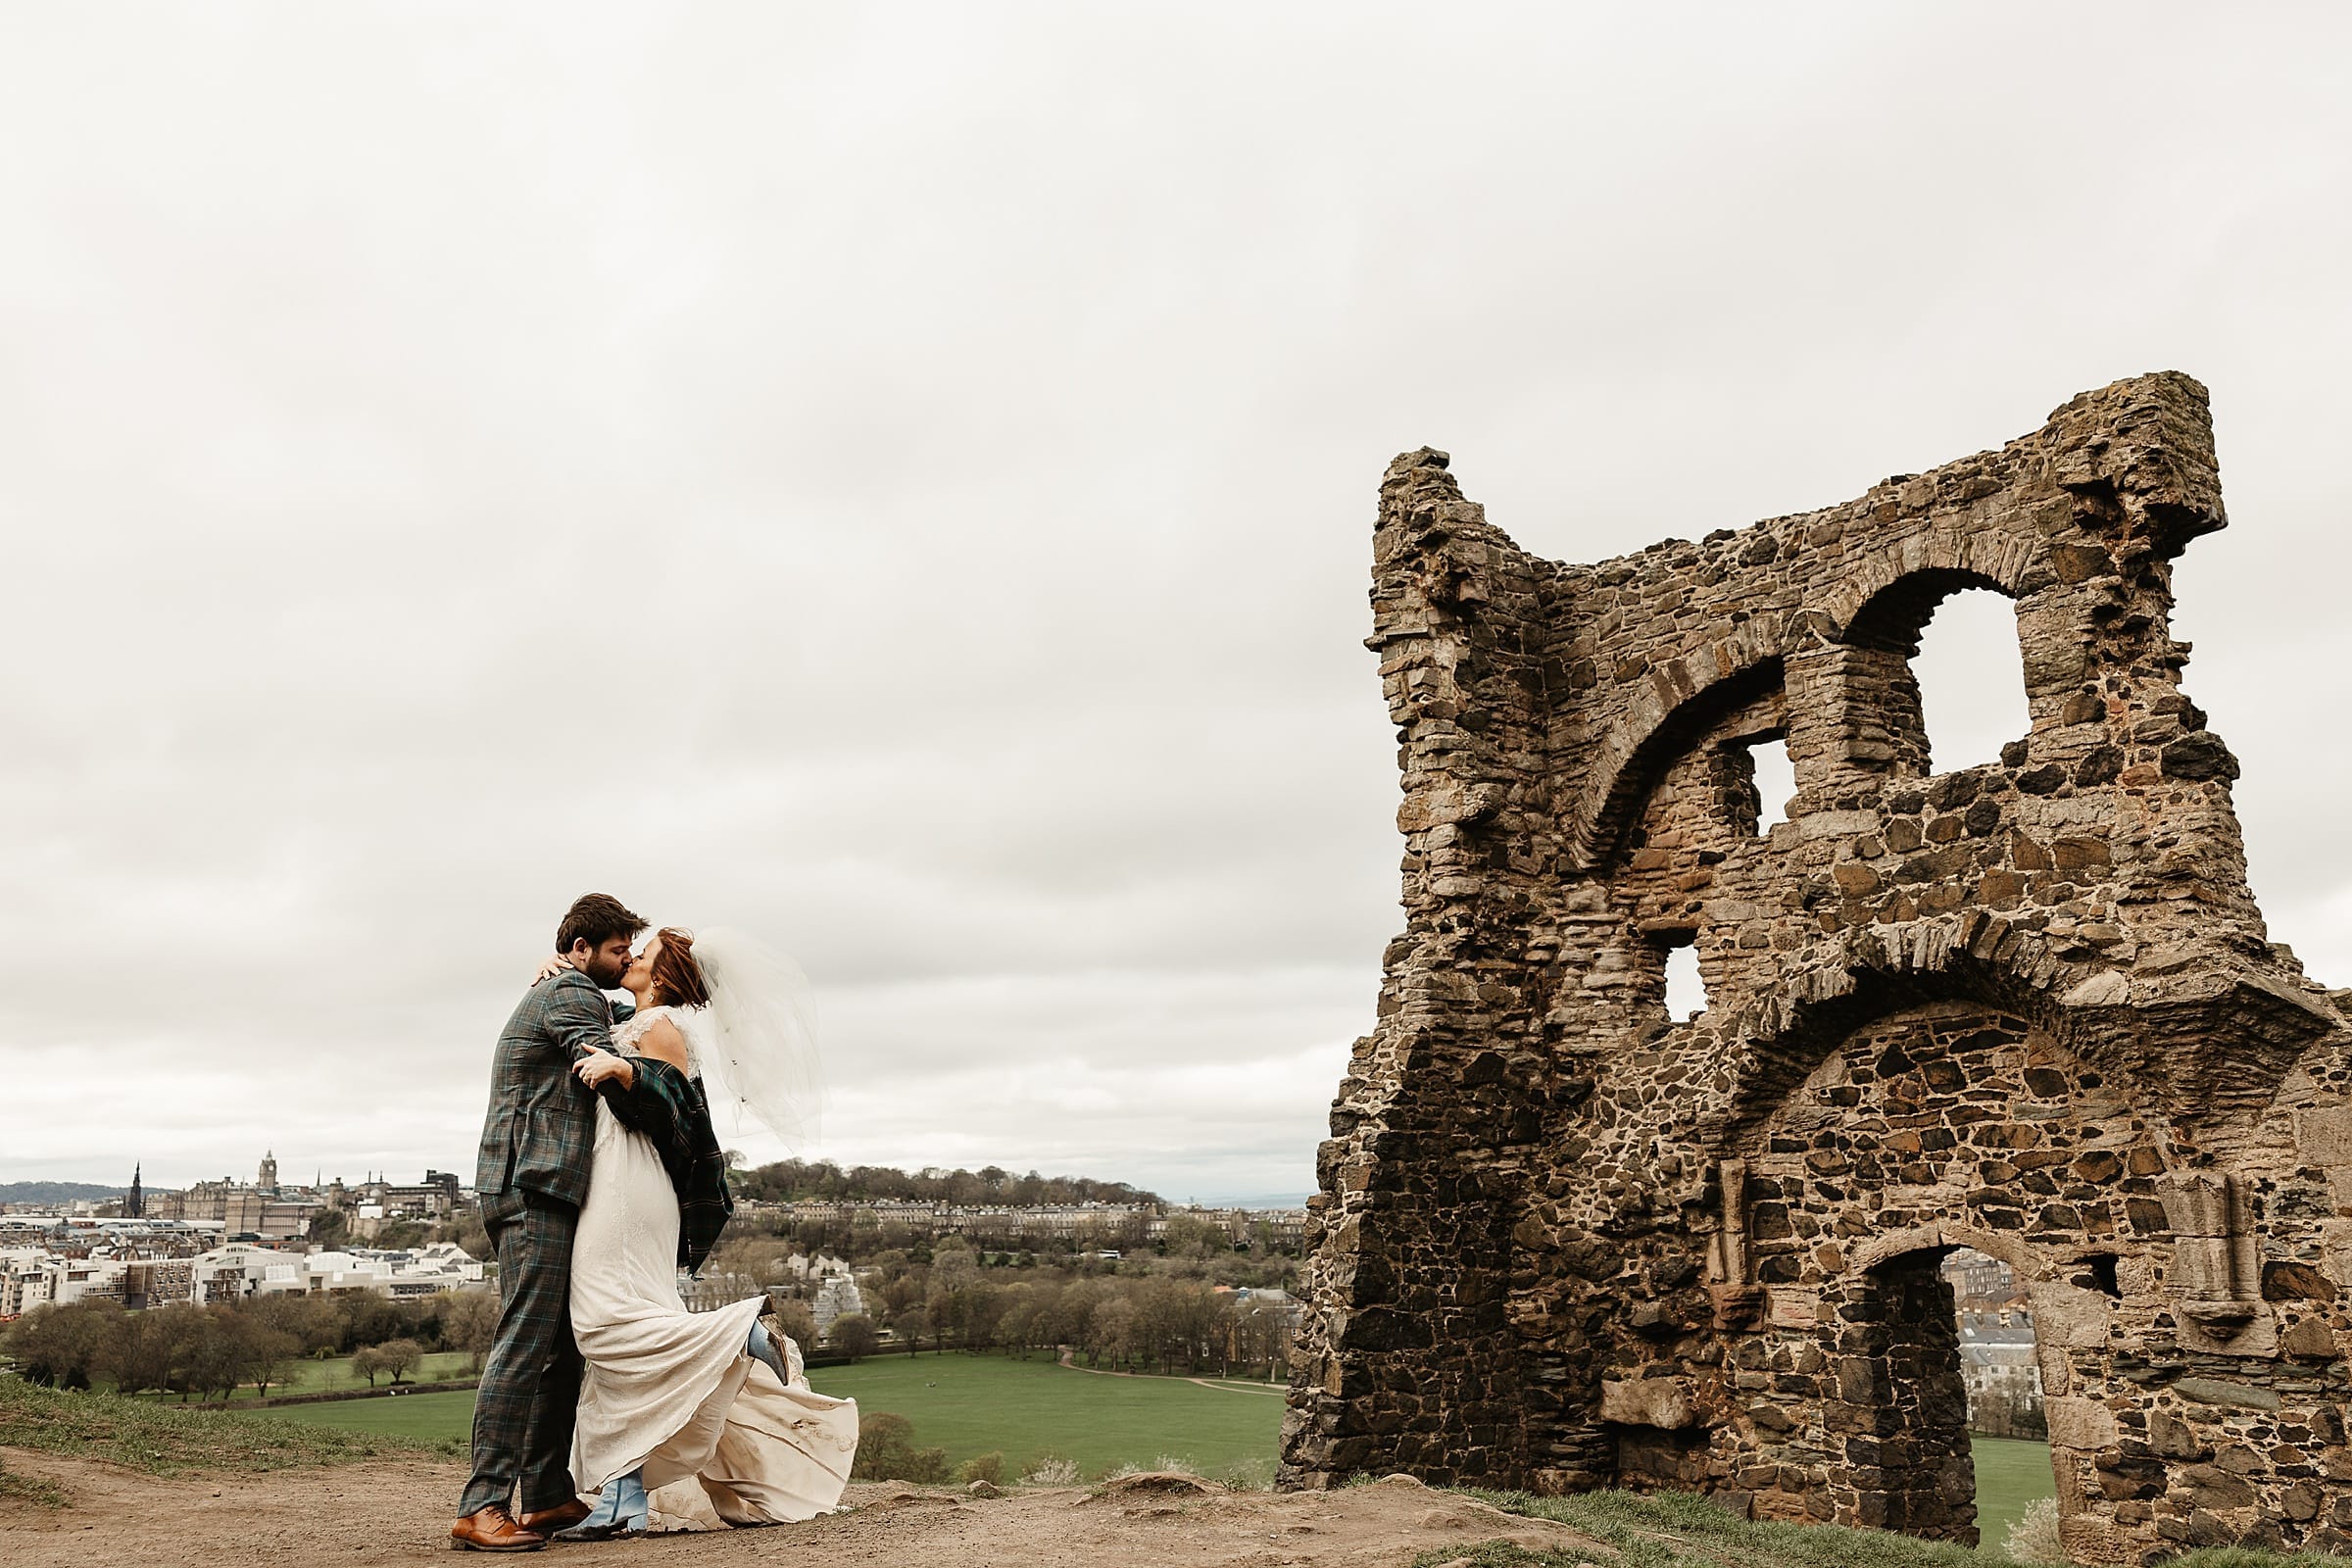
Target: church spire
[(135, 1203)]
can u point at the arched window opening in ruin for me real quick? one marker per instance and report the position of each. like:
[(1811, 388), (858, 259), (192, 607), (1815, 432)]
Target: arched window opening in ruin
[(1775, 783), (1753, 773), (2000, 1369), (1686, 991), (1970, 671)]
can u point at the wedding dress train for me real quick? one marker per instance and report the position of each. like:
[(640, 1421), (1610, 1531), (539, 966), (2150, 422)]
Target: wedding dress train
[(720, 1437)]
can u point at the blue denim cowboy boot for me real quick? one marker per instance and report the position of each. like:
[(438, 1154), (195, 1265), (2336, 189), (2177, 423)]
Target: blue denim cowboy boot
[(763, 1348), (621, 1509)]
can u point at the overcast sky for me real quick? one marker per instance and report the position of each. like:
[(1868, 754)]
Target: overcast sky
[(902, 480)]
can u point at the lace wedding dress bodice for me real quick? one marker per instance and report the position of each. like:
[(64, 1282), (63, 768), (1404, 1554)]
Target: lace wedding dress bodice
[(686, 1020)]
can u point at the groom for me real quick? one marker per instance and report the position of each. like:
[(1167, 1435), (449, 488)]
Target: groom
[(537, 1142)]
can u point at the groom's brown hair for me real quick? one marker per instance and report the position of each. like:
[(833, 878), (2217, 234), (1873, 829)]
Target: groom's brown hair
[(595, 918)]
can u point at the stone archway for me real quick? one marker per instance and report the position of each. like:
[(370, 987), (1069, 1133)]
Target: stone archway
[(1945, 1124)]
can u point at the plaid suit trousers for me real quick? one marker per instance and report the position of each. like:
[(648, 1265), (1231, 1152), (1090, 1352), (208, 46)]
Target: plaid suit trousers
[(522, 1416)]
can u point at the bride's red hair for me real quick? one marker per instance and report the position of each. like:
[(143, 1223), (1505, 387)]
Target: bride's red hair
[(676, 976)]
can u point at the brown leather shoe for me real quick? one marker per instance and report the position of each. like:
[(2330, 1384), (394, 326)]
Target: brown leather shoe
[(493, 1529), (563, 1516)]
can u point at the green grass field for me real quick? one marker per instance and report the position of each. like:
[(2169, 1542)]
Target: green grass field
[(2010, 1473), (1666, 1531), (966, 1404), (320, 1377), (442, 1419), (970, 1404), (325, 1377)]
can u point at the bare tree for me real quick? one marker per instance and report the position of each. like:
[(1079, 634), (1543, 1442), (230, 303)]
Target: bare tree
[(469, 1322), (399, 1356), (798, 1321), (912, 1326), (269, 1353)]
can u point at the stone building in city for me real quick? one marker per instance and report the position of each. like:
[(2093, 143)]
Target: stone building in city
[(1565, 1241)]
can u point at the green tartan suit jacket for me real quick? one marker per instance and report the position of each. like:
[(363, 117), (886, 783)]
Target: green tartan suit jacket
[(540, 1133)]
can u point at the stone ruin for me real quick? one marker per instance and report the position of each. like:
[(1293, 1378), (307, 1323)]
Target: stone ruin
[(1565, 1241)]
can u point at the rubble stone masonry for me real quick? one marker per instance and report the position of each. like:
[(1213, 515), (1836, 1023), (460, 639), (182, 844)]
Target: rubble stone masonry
[(1565, 1241)]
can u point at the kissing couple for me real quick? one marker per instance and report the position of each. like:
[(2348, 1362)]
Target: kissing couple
[(601, 1177)]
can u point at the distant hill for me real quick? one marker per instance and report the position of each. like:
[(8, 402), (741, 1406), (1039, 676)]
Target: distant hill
[(53, 1191)]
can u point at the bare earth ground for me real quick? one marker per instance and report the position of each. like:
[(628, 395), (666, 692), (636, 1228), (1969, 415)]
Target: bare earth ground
[(398, 1512)]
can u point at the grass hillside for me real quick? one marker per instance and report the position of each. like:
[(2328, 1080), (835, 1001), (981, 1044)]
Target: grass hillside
[(969, 1405), (164, 1439)]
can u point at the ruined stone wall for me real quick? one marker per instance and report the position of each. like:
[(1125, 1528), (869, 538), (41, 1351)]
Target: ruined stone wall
[(1563, 1241)]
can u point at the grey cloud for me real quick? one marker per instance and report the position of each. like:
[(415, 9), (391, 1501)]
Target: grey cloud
[(902, 480)]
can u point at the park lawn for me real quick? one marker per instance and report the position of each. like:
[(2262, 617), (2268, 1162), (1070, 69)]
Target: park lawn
[(973, 1404), (966, 1404), (334, 1373), (322, 1377), (440, 1419), (2011, 1471)]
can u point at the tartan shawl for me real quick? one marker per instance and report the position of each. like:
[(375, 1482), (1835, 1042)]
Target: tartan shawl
[(671, 1111)]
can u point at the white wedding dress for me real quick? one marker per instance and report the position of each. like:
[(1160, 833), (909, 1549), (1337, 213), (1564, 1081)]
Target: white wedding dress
[(720, 1440)]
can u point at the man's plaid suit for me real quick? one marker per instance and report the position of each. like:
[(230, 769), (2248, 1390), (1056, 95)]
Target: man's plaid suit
[(538, 1141)]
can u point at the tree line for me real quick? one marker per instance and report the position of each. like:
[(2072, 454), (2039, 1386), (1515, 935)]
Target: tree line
[(206, 1353), (1177, 1314), (1168, 1326), (861, 1231), (821, 1181)]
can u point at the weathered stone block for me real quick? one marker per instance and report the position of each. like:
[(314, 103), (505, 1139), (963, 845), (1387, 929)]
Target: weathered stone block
[(2227, 1394), (2080, 1423), (2310, 1340), (1662, 1402), (2067, 1315), (2173, 1438), (2323, 1135)]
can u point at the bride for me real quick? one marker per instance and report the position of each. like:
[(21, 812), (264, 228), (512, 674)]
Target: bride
[(695, 1419)]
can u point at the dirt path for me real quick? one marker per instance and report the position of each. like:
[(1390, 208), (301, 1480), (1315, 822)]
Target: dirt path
[(1069, 1359), (398, 1513)]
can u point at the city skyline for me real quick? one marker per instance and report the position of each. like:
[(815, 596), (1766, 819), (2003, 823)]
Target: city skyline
[(320, 1182)]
